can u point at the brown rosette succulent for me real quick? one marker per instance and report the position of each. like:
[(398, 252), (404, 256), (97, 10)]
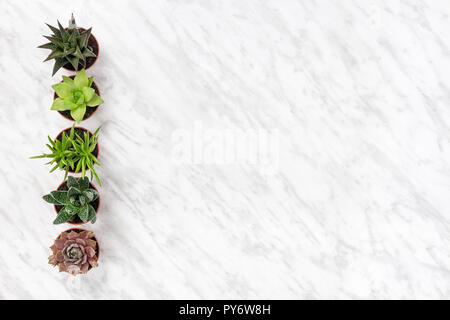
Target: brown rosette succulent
[(74, 251)]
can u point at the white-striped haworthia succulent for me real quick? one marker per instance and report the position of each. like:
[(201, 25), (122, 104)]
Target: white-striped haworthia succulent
[(68, 46), (76, 201)]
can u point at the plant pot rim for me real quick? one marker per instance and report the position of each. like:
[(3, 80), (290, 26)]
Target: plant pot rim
[(81, 229), (76, 127), (96, 211), (96, 58), (96, 107)]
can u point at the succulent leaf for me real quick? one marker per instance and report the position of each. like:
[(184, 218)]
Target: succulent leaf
[(47, 46), (69, 105), (59, 196), (84, 184), (73, 200), (77, 53), (94, 101), (81, 80), (91, 167), (72, 209), (50, 199), (59, 62), (78, 113), (62, 217), (73, 60), (82, 200), (62, 89), (54, 55), (88, 53), (72, 182), (73, 192), (91, 194), (58, 104), (61, 29), (88, 93), (92, 214), (68, 80), (54, 30), (56, 41), (84, 37), (84, 213)]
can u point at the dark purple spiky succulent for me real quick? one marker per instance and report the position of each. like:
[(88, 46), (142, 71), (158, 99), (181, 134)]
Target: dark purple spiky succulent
[(74, 252)]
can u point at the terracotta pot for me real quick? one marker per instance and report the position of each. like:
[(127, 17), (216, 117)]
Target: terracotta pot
[(66, 114), (97, 251), (80, 222), (92, 41), (96, 151)]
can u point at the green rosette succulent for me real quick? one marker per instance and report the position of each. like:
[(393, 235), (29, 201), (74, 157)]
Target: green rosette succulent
[(76, 201), (76, 95)]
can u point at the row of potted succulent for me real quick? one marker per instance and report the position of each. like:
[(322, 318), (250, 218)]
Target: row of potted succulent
[(74, 150)]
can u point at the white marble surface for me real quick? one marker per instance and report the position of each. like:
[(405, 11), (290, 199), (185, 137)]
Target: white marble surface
[(356, 202)]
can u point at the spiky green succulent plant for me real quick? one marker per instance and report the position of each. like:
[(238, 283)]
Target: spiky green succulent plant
[(75, 95), (76, 201), (83, 149), (73, 152), (63, 156), (68, 46)]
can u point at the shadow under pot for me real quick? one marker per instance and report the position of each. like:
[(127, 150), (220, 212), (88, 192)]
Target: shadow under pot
[(64, 243), (76, 220), (90, 61), (89, 110), (80, 131)]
